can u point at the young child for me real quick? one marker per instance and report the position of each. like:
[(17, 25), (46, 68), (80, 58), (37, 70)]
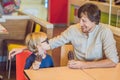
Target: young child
[(37, 43)]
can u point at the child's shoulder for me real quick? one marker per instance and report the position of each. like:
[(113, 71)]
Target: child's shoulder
[(32, 55), (48, 56)]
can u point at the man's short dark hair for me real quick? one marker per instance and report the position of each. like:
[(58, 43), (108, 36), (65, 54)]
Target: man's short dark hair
[(90, 10)]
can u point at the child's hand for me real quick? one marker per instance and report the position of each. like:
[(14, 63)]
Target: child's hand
[(38, 58), (36, 65), (37, 62), (15, 51)]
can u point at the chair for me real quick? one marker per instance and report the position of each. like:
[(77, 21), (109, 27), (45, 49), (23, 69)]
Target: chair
[(9, 44), (64, 54), (20, 62)]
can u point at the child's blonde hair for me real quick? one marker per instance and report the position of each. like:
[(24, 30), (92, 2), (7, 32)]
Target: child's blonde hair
[(33, 39)]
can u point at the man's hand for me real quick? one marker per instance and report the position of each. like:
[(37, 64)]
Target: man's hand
[(91, 64), (77, 64)]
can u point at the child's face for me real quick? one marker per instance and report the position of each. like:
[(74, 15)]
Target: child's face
[(45, 43), (43, 46)]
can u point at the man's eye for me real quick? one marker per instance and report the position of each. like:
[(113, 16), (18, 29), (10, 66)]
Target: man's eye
[(83, 20)]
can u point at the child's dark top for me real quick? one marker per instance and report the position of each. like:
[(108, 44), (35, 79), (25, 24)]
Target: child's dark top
[(45, 63)]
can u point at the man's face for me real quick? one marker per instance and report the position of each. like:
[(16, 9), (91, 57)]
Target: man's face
[(86, 25)]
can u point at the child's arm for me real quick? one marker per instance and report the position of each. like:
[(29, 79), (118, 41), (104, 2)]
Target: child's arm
[(37, 62), (15, 51), (29, 61), (36, 65)]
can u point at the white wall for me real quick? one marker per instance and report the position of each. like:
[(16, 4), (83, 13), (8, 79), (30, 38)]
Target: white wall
[(34, 7)]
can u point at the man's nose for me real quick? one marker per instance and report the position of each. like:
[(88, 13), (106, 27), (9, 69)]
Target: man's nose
[(81, 23)]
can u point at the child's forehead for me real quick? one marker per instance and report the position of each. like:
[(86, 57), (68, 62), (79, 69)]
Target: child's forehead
[(43, 38), (38, 36), (40, 39)]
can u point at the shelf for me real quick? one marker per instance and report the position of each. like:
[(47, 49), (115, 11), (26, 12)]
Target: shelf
[(104, 6)]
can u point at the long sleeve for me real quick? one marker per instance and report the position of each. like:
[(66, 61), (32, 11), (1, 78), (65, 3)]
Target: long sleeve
[(109, 46), (59, 40), (62, 39), (29, 61)]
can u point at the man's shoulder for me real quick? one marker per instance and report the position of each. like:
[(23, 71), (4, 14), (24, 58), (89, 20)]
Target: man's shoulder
[(104, 27)]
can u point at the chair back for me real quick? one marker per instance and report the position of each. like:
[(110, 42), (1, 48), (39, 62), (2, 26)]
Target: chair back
[(20, 63), (64, 54)]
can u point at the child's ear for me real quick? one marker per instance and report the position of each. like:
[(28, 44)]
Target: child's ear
[(38, 47)]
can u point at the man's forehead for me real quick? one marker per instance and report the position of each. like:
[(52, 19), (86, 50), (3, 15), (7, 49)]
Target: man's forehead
[(83, 15)]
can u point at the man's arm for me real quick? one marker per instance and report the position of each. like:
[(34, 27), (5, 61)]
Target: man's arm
[(91, 64), (63, 38), (109, 46)]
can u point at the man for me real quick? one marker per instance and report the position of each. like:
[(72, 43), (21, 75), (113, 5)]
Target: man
[(93, 42)]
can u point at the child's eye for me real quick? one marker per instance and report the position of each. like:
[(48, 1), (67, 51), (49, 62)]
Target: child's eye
[(46, 40)]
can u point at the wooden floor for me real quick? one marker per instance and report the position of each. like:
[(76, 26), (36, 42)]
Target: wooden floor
[(56, 58)]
